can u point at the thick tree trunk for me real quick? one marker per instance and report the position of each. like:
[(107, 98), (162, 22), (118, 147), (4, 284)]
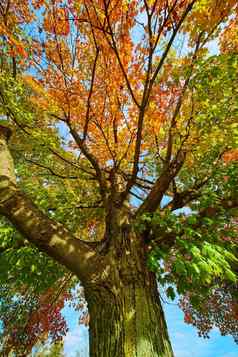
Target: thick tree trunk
[(128, 322), (126, 317)]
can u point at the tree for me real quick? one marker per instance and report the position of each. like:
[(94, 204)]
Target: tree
[(118, 157)]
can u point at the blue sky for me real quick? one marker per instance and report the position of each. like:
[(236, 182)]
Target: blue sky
[(185, 340)]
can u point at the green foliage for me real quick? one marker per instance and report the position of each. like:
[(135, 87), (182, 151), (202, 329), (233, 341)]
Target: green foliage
[(202, 254), (215, 90), (14, 100), (53, 350), (21, 264)]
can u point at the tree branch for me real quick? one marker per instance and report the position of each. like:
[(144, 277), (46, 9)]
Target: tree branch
[(48, 235), (164, 56), (91, 158), (161, 185), (146, 94), (113, 45), (90, 95), (64, 177), (71, 163)]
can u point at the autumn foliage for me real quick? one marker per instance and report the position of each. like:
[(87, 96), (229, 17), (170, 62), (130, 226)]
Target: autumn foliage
[(129, 106)]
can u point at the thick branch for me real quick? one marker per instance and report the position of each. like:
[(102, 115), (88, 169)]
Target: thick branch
[(180, 199), (49, 236), (161, 185)]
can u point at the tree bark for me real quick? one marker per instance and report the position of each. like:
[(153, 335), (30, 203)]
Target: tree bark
[(127, 319), (127, 322)]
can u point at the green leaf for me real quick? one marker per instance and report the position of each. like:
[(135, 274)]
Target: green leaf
[(170, 293)]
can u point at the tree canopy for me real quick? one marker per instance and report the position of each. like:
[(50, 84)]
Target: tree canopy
[(120, 105)]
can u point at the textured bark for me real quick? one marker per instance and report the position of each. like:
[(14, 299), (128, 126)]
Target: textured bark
[(49, 236), (127, 319), (128, 322)]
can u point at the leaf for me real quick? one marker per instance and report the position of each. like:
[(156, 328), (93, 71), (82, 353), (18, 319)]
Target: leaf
[(170, 293)]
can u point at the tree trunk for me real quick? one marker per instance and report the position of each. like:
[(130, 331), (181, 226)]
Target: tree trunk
[(127, 323), (126, 317)]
